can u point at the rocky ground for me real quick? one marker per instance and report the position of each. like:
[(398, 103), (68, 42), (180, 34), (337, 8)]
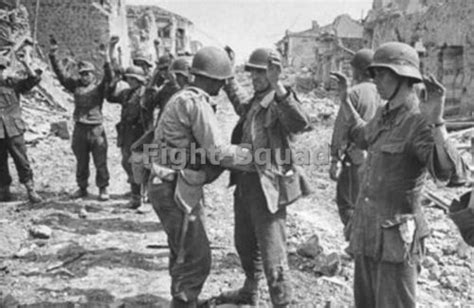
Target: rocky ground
[(86, 253)]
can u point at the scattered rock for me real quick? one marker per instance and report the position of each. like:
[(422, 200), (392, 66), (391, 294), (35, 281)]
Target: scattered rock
[(83, 213), (60, 129), (311, 248), (327, 265), (41, 231), (463, 250), (429, 262)]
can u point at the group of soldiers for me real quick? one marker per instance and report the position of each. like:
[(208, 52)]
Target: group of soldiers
[(388, 133)]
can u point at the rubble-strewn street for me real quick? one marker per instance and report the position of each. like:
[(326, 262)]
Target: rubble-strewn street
[(108, 248), (66, 252)]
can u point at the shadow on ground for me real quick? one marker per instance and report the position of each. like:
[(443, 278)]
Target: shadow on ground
[(86, 227), (75, 261), (94, 298)]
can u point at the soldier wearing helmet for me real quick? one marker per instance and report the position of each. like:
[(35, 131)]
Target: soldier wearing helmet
[(346, 158), (267, 121), (188, 126), (12, 126), (132, 125), (89, 134), (180, 71), (405, 140)]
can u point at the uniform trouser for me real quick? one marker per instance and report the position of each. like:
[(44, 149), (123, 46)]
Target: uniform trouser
[(17, 148), (260, 238), (384, 284), (90, 139), (127, 166), (187, 278), (347, 189)]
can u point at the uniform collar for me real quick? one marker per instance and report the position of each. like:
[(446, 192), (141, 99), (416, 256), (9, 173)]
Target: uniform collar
[(394, 110)]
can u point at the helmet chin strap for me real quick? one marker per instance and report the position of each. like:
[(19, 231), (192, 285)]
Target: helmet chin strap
[(397, 89)]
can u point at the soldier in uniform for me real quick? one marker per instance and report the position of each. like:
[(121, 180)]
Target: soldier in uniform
[(405, 139), (267, 122), (89, 133), (346, 158), (12, 127), (189, 155), (132, 125)]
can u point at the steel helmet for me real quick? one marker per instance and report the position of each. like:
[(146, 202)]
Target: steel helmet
[(401, 58), (85, 66), (362, 59), (180, 66), (135, 72), (141, 56), (212, 62), (259, 58), (164, 62)]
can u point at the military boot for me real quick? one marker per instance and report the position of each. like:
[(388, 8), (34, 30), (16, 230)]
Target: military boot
[(103, 194), (81, 192), (136, 198), (247, 295), (176, 303), (5, 194), (32, 194)]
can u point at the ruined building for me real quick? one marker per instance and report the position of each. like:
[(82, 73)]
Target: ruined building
[(323, 49), (149, 23), (442, 32), (80, 27)]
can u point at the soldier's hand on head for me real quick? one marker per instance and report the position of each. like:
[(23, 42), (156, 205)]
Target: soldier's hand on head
[(432, 106), (274, 69)]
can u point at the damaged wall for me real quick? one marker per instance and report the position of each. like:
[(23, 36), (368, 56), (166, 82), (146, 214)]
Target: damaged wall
[(444, 36), (148, 23), (80, 27)]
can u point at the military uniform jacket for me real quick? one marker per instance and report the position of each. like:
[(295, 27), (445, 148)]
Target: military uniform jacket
[(366, 100), (401, 150), (11, 122), (132, 124), (272, 123), (88, 100)]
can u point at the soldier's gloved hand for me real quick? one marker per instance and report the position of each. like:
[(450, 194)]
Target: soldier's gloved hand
[(335, 170)]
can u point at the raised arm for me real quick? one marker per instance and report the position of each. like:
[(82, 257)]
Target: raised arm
[(349, 114), (33, 77), (66, 81), (288, 108), (430, 141)]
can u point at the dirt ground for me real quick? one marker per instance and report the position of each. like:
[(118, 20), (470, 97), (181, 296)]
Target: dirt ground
[(105, 259)]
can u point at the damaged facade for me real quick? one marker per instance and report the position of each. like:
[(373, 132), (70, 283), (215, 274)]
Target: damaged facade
[(323, 49), (443, 34), (149, 23), (80, 27)]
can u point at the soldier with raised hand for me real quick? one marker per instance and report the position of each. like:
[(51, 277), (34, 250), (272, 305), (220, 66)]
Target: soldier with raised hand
[(12, 126), (268, 120), (89, 133), (406, 139), (346, 158), (189, 154), (132, 125)]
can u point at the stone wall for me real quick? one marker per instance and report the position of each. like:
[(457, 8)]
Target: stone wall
[(80, 26), (444, 36)]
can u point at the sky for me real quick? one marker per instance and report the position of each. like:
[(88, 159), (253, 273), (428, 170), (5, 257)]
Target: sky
[(248, 24)]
